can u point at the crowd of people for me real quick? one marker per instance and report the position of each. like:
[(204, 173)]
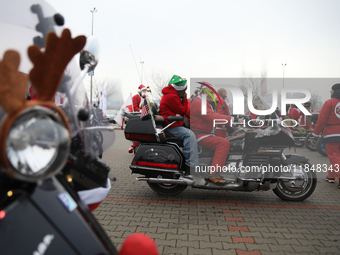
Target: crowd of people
[(175, 102)]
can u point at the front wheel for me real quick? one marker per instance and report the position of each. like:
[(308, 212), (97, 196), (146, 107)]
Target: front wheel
[(167, 189), (299, 189)]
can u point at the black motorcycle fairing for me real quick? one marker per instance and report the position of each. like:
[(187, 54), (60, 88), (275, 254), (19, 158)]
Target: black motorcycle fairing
[(56, 210), (153, 158)]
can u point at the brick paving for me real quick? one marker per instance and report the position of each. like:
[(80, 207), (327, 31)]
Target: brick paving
[(219, 222)]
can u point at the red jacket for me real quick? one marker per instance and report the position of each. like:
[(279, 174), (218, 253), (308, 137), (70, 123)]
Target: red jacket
[(329, 118), (135, 102), (204, 124), (294, 114), (171, 104), (221, 129)]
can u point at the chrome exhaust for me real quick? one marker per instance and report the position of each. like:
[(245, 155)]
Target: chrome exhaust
[(180, 181)]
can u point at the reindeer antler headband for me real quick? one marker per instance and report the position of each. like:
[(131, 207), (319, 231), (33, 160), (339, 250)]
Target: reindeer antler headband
[(45, 76)]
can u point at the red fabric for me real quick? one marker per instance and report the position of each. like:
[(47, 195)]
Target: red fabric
[(204, 123), (327, 116), (293, 114), (92, 207), (171, 104), (221, 129), (221, 147), (33, 93), (135, 102), (333, 152), (303, 118), (138, 244)]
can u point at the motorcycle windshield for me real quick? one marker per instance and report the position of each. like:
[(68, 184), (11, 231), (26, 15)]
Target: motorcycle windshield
[(27, 22)]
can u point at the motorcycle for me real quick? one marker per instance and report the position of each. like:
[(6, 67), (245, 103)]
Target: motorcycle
[(314, 144), (253, 154), (300, 134)]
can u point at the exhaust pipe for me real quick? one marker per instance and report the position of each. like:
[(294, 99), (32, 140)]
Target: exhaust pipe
[(180, 181)]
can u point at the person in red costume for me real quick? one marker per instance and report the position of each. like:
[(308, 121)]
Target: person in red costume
[(221, 129), (306, 121), (203, 127), (136, 99), (174, 102), (293, 113), (329, 120)]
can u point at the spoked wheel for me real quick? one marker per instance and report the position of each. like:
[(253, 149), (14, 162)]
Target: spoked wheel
[(321, 146), (299, 189), (310, 142), (299, 143), (167, 189)]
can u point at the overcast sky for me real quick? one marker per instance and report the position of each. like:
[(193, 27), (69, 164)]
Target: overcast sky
[(216, 38)]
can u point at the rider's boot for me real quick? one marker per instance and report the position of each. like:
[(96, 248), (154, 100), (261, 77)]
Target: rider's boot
[(216, 179)]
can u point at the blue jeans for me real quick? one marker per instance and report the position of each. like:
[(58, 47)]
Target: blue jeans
[(189, 143)]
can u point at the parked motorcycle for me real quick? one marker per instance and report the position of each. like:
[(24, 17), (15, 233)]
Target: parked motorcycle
[(300, 134), (314, 144), (40, 207), (253, 155)]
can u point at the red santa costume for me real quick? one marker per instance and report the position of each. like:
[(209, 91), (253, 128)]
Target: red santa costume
[(222, 109), (136, 99), (293, 113), (305, 121), (203, 127), (329, 120)]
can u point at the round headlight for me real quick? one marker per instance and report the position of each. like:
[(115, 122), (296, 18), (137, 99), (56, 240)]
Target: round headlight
[(37, 144)]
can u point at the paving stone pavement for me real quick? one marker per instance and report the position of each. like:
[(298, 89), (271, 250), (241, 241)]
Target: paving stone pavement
[(219, 222)]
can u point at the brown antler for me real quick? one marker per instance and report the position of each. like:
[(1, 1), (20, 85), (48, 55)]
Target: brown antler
[(13, 84), (49, 65)]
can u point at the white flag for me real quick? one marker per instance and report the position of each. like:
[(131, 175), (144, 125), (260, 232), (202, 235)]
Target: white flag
[(120, 115)]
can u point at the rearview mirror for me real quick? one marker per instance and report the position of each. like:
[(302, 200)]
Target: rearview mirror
[(90, 54)]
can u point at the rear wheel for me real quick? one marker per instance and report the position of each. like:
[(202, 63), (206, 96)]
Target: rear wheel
[(167, 189), (321, 146), (310, 142), (299, 189)]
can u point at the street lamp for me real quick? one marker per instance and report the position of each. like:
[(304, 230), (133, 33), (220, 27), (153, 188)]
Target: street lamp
[(283, 79), (92, 73)]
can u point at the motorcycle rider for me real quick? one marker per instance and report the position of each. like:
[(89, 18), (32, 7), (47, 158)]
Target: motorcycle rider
[(203, 127), (293, 113), (136, 99), (221, 129), (305, 121), (136, 106), (174, 102), (329, 119)]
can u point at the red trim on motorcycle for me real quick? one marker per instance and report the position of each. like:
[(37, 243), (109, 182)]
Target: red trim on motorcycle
[(140, 137), (153, 164)]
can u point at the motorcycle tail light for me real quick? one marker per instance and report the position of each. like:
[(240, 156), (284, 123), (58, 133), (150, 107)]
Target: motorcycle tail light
[(155, 165)]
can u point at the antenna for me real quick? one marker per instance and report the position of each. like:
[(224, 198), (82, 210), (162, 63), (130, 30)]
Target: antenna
[(141, 62), (135, 64)]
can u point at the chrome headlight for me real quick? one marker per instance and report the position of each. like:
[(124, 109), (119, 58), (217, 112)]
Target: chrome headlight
[(37, 144)]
